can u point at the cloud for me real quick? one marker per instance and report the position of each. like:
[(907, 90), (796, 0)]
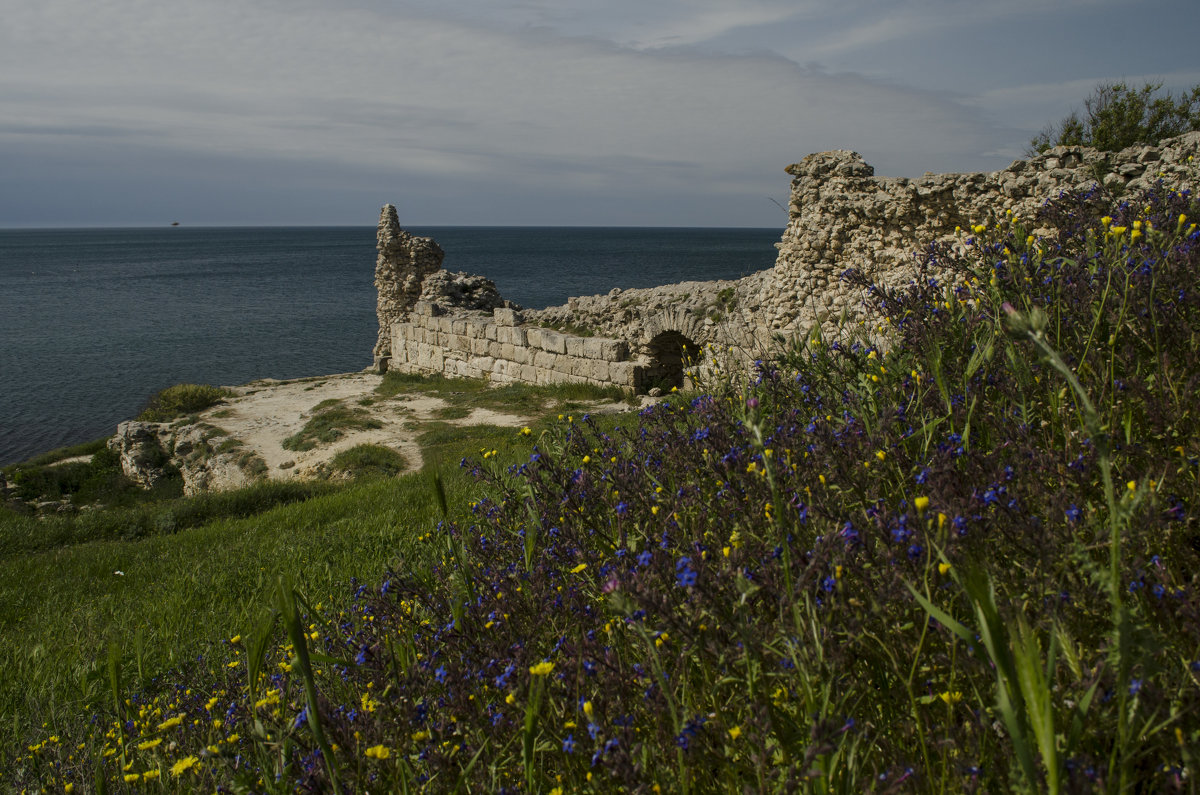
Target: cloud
[(520, 119)]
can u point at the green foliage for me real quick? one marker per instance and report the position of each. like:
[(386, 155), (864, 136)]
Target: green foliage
[(368, 460), (1117, 116), (62, 453), (182, 400), (329, 422)]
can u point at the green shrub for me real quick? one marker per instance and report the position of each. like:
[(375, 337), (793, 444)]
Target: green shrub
[(1117, 116), (368, 460), (182, 400)]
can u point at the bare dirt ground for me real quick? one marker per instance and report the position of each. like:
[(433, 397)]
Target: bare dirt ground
[(264, 413)]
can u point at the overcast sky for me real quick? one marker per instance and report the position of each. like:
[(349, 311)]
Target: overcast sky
[(531, 112)]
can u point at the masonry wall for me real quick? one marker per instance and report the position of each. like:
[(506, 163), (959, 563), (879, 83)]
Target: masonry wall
[(841, 215), (498, 347)]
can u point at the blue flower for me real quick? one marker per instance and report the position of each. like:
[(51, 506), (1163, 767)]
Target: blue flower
[(568, 745)]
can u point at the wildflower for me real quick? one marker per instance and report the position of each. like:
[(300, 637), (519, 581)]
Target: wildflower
[(921, 504), (568, 744), (378, 752), (526, 431), (146, 746), (170, 723), (735, 732), (579, 568), (542, 668), (133, 778), (951, 697), (943, 568), (183, 765)]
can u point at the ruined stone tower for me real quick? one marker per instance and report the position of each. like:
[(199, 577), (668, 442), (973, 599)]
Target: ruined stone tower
[(403, 263)]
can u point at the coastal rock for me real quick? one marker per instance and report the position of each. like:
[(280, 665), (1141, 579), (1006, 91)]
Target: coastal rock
[(143, 458), (209, 460)]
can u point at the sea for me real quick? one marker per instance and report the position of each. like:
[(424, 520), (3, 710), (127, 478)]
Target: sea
[(94, 321)]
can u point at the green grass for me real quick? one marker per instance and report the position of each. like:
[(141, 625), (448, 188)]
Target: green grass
[(329, 422), (198, 570), (63, 453), (182, 400), (368, 460)]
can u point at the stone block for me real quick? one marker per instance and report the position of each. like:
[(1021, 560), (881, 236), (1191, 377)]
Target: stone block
[(445, 325), (458, 327), (507, 351), (613, 350), (482, 364), (426, 309), (517, 336), (479, 346), (491, 332), (622, 373), (599, 370), (575, 347), (495, 349), (533, 337), (544, 360), (506, 317), (553, 342), (592, 348), (529, 373)]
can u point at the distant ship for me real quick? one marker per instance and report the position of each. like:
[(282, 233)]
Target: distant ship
[(174, 223)]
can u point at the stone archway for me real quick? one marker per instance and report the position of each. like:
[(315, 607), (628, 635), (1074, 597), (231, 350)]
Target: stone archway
[(670, 354)]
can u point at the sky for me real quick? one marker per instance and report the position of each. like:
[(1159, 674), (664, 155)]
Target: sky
[(531, 112)]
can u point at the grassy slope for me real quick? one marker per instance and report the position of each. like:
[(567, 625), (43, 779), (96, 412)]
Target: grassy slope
[(61, 603)]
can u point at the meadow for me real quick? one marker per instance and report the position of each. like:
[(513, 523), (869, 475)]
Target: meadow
[(953, 552)]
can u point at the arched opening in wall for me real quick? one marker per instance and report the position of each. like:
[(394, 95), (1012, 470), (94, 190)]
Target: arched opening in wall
[(671, 354)]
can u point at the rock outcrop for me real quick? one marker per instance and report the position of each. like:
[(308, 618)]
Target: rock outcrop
[(206, 457)]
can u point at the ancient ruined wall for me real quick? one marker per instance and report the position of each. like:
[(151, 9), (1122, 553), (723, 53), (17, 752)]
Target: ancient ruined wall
[(842, 216), (400, 269), (498, 347)]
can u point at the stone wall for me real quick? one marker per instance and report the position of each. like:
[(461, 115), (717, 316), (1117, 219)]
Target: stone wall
[(840, 216), (403, 264), (497, 346)]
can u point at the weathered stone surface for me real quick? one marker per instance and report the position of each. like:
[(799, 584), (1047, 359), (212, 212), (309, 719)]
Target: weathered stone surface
[(143, 458), (460, 291), (402, 265), (840, 216)]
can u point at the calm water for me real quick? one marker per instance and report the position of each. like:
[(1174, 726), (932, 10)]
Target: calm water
[(94, 321)]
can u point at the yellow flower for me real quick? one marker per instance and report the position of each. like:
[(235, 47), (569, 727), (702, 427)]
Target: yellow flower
[(236, 639), (735, 732), (68, 787), (542, 668), (511, 698), (588, 709), (149, 744), (378, 752), (951, 697), (943, 568), (556, 791), (921, 503), (183, 765), (579, 568), (150, 775), (421, 735), (171, 723), (1131, 485), (881, 455), (979, 229), (526, 431), (133, 778)]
